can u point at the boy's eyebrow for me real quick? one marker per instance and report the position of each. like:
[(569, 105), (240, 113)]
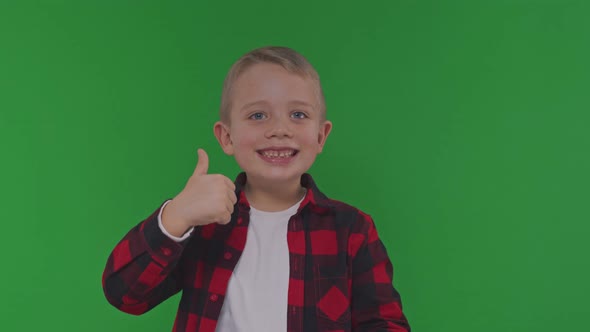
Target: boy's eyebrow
[(302, 103), (253, 103)]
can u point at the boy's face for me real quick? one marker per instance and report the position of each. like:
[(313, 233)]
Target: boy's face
[(273, 112)]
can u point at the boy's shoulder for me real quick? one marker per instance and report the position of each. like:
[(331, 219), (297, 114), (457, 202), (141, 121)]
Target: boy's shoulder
[(321, 199), (346, 214), (339, 205)]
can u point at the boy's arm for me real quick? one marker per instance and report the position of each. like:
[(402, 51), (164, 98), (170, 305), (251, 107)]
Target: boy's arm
[(142, 270), (375, 304)]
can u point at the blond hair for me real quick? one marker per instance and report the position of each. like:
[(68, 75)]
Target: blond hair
[(286, 57)]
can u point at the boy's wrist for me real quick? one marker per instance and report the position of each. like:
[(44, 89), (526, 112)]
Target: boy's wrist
[(173, 225)]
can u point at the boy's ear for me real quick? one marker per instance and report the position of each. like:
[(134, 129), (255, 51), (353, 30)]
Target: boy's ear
[(325, 129), (221, 132)]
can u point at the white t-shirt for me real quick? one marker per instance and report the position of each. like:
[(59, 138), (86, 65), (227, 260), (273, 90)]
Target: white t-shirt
[(256, 298)]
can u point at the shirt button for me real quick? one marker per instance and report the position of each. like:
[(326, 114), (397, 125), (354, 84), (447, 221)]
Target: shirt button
[(213, 297), (227, 255), (166, 251)]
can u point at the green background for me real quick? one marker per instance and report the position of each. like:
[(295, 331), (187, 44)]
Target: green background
[(460, 126)]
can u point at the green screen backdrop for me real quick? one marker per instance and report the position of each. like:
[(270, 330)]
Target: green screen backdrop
[(462, 127)]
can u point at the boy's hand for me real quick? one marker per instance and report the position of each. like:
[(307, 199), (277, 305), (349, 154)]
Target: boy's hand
[(206, 199)]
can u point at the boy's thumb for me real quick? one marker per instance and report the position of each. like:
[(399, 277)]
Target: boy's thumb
[(202, 163)]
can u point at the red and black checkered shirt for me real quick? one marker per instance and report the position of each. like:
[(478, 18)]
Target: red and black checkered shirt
[(340, 273)]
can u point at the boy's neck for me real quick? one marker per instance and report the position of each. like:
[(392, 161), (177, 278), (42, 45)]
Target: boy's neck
[(273, 197)]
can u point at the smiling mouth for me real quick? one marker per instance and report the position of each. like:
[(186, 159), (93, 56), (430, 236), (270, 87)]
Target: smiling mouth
[(278, 154)]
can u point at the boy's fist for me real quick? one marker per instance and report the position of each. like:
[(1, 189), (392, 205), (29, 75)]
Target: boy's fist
[(205, 199)]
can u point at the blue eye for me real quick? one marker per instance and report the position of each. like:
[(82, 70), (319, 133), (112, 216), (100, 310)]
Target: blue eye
[(301, 116), (255, 116)]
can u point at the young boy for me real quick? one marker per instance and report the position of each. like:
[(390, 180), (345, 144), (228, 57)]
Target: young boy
[(268, 252)]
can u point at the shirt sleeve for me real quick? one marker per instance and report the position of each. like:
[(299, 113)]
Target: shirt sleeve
[(142, 270), (375, 304), (175, 238)]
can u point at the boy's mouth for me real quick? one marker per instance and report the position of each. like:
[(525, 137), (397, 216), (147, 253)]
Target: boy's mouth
[(278, 153)]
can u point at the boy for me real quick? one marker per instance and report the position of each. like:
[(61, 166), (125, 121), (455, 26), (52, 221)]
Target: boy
[(268, 252)]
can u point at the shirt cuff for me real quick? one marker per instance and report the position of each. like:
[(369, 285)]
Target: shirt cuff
[(175, 238)]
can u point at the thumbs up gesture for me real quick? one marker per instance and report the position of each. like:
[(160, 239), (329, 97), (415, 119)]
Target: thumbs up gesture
[(205, 199)]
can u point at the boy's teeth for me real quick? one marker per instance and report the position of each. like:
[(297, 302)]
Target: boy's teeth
[(275, 154)]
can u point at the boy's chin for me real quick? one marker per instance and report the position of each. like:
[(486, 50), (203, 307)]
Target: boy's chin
[(275, 176)]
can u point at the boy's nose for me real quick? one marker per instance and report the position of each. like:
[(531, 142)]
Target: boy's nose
[(279, 127)]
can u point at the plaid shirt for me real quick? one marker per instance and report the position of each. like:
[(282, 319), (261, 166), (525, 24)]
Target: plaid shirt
[(340, 274)]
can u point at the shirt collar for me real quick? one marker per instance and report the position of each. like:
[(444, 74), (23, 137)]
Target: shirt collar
[(314, 197)]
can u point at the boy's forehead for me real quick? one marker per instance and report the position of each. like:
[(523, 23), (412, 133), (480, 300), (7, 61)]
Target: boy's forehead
[(265, 82), (268, 70)]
